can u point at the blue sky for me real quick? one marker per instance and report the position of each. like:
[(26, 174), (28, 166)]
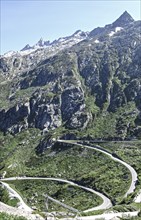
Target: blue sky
[(26, 21)]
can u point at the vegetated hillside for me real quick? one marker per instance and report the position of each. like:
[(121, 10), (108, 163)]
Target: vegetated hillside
[(33, 192), (91, 89)]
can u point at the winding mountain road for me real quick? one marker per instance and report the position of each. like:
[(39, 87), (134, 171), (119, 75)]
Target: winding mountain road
[(106, 202), (13, 193), (131, 169), (138, 197), (106, 216)]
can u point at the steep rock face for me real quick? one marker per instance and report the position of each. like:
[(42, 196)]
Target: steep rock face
[(13, 119), (45, 112), (71, 98), (39, 112), (73, 108), (57, 97)]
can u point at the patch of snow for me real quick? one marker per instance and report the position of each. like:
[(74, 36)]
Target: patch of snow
[(9, 54), (96, 41), (135, 43), (26, 52), (111, 33), (79, 33), (61, 39), (118, 29)]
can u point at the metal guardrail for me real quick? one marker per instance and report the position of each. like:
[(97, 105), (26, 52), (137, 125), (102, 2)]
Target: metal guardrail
[(60, 203)]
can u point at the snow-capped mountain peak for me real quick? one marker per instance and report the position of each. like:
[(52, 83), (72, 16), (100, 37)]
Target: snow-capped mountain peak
[(41, 43), (59, 44)]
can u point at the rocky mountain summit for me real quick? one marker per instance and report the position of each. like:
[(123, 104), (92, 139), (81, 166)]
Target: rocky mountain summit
[(29, 56), (87, 84)]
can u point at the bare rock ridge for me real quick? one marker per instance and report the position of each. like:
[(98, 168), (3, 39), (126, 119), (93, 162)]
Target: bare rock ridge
[(123, 20), (76, 83)]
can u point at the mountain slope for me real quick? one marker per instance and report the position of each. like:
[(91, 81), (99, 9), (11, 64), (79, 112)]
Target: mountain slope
[(92, 88)]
